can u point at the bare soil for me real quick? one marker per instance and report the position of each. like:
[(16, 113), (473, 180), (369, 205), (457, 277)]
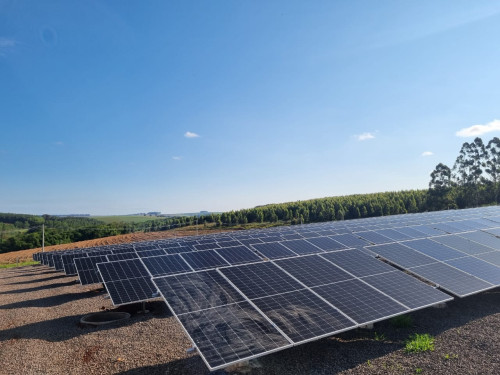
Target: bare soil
[(40, 333)]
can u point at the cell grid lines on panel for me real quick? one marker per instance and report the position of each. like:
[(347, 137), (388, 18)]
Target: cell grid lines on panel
[(260, 279), (179, 250), (492, 257), (483, 238), (374, 237), (393, 234), (301, 247), (122, 256), (451, 279), (357, 263), (87, 269), (267, 239), (448, 227), (428, 230), (493, 231), (292, 236), (122, 270), (207, 246), (411, 232), (477, 267), (231, 243), (350, 240), (434, 249), (238, 255), (196, 291), (274, 250), (360, 301), (69, 262), (407, 289), (151, 253), (231, 333), (201, 260), (326, 243), (302, 315), (401, 255), (132, 290), (462, 244), (313, 270), (166, 265), (249, 241), (307, 234)]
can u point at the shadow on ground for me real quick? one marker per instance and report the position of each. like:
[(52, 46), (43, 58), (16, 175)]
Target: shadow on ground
[(68, 327), (41, 287)]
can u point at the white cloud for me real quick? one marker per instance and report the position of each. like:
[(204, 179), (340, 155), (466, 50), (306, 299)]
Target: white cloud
[(6, 44), (364, 136), (177, 157), (427, 153), (476, 130), (58, 143), (190, 135)]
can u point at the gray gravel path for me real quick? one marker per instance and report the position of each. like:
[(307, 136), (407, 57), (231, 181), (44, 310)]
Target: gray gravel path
[(40, 334)]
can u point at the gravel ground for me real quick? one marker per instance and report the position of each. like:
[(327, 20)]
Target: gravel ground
[(40, 333)]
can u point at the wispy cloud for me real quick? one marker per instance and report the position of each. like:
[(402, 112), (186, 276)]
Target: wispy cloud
[(476, 130), (427, 153), (364, 136), (59, 143), (177, 157), (6, 44), (190, 135)]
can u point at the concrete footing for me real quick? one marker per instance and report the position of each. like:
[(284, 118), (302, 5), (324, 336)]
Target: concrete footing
[(439, 305), (367, 326)]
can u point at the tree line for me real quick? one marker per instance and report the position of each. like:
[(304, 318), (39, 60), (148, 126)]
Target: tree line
[(472, 181)]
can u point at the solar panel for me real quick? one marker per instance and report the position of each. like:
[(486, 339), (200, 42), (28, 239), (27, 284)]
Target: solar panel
[(478, 268), (238, 255), (68, 262), (229, 243), (231, 333), (196, 291), (393, 234), (313, 270), (301, 247), (271, 238), (166, 265), (87, 269), (121, 256), (492, 257), (127, 281), (179, 250), (483, 238), (374, 237), (428, 230), (200, 260), (273, 250), (260, 279), (207, 246), (434, 249), (407, 290), (350, 240), (151, 253), (462, 244), (303, 316), (360, 301), (401, 255), (451, 279), (326, 243), (411, 232), (448, 228), (357, 263)]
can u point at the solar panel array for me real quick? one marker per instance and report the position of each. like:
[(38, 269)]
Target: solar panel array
[(239, 295)]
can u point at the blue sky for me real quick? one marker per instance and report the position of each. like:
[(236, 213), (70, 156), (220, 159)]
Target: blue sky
[(117, 107)]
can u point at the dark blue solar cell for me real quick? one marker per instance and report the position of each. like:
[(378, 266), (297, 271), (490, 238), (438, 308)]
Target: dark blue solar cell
[(273, 250), (200, 260)]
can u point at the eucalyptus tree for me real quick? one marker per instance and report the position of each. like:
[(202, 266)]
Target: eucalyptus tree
[(493, 166), (468, 170), (440, 195)]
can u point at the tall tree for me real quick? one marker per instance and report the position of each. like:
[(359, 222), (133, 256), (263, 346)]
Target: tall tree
[(493, 165), (440, 189)]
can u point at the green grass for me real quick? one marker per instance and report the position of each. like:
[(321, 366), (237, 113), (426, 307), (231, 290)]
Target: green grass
[(419, 343), (21, 264), (402, 321)]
